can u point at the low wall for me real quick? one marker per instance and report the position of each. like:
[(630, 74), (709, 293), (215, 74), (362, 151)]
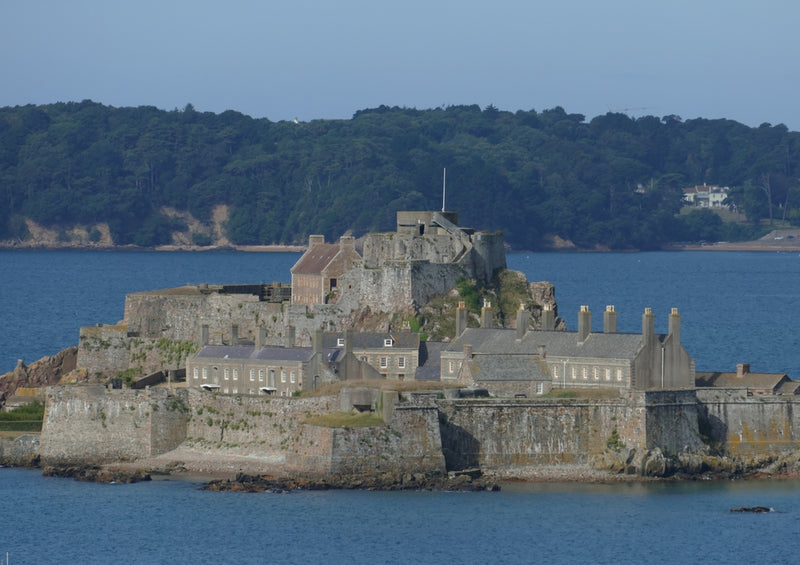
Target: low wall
[(92, 425), (19, 451)]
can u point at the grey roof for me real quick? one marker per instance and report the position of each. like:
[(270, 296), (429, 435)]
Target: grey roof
[(250, 353), (747, 380), (372, 340), (508, 368), (557, 343), (429, 368)]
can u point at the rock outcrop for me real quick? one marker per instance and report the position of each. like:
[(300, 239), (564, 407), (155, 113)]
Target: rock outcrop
[(44, 372)]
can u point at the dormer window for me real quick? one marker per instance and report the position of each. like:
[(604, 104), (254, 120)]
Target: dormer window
[(340, 342), (387, 342)]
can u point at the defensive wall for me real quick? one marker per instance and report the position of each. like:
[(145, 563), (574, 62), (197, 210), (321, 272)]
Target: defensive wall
[(423, 432), (89, 424), (749, 425), (496, 434)]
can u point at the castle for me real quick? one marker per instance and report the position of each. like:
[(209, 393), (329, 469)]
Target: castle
[(249, 349)]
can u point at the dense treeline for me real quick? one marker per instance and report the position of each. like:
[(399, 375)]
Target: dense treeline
[(613, 181)]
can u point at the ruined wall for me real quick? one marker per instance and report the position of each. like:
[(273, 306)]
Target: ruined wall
[(91, 425), (497, 434), (747, 425)]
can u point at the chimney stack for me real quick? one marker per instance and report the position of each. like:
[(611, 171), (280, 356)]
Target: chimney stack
[(675, 325), (584, 324), (315, 240), (548, 318), (742, 369), (461, 318), (648, 326), (487, 315), (234, 334), (347, 242), (610, 320), (467, 351), (261, 337), (542, 351), (290, 336), (203, 335), (523, 319), (348, 341)]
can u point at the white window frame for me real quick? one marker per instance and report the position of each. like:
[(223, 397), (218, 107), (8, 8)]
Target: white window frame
[(401, 362), (608, 373), (540, 388), (596, 373), (283, 376), (384, 362), (205, 373), (451, 366), (227, 372), (252, 375), (292, 376), (261, 375), (196, 373), (619, 375), (585, 373), (235, 374), (387, 342), (574, 373), (339, 342)]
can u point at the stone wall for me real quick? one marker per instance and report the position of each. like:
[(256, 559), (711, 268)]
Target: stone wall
[(500, 434), (20, 451), (746, 425), (92, 425)]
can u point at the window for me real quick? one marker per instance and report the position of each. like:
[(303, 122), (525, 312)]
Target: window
[(384, 362), (227, 373), (401, 362), (596, 373), (261, 375), (283, 377), (292, 377), (364, 358), (619, 374), (205, 373), (225, 390), (608, 374), (252, 374), (555, 371), (451, 367), (272, 377), (387, 342), (574, 373), (585, 373), (235, 390), (340, 342), (539, 388), (236, 374), (196, 373)]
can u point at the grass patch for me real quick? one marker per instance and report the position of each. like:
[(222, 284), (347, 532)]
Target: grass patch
[(346, 420), (26, 418)]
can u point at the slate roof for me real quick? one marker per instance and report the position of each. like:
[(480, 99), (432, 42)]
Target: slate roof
[(373, 340), (508, 368), (315, 259), (731, 380), (250, 353), (557, 343)]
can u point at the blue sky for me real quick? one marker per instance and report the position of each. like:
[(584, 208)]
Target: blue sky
[(317, 59)]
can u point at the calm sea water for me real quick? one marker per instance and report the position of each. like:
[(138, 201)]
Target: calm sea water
[(61, 521), (736, 307)]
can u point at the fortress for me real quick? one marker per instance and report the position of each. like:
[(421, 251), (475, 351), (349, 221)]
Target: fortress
[(255, 354)]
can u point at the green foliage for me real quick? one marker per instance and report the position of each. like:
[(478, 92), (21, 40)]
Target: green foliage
[(469, 294), (614, 442), (25, 418), (346, 420), (613, 181)]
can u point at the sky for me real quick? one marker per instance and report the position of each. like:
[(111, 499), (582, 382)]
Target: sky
[(305, 60)]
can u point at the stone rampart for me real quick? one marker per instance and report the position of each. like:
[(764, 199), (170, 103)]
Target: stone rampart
[(746, 425), (20, 451), (500, 434), (92, 425)]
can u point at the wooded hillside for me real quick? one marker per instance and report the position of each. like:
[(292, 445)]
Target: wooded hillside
[(613, 181)]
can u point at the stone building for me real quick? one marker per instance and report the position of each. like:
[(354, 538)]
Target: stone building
[(753, 384), (578, 359), (393, 355), (316, 274)]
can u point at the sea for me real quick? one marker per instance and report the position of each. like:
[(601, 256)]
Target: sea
[(736, 307)]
